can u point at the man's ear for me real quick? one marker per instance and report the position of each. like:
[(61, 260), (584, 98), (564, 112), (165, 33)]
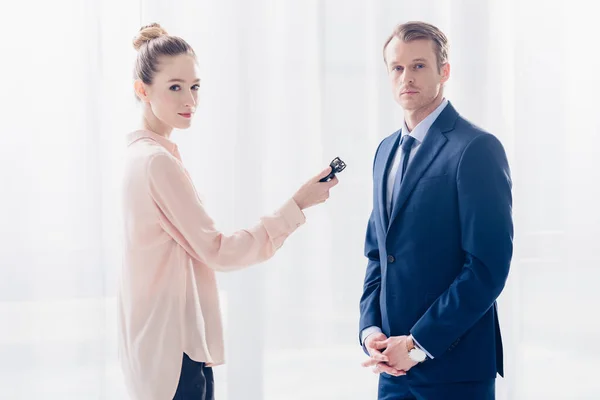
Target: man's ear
[(445, 72)]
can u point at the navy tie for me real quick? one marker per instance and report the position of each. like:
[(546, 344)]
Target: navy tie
[(406, 144)]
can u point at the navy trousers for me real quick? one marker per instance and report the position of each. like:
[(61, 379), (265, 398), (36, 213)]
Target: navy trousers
[(399, 388), (196, 381)]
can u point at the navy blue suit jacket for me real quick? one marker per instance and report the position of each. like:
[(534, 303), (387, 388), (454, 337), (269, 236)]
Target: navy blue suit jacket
[(436, 267)]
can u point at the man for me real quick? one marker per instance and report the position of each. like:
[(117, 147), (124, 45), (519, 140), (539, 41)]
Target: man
[(439, 239)]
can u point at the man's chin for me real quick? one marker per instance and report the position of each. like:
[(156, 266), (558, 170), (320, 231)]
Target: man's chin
[(408, 105)]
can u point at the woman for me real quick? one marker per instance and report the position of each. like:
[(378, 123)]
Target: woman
[(169, 320)]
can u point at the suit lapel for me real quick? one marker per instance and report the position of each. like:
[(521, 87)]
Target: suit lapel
[(431, 146), (387, 155)]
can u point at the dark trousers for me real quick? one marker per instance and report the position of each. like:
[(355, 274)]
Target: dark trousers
[(399, 388), (196, 381)]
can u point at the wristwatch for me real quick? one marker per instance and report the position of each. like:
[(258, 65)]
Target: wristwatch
[(415, 353)]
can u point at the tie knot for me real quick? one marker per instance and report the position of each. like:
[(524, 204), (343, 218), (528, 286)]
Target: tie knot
[(407, 142)]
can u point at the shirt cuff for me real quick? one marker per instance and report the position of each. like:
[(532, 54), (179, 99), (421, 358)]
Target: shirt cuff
[(421, 347), (292, 214), (367, 332)]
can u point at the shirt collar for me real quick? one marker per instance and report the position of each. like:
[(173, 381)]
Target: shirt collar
[(422, 127), (163, 141)]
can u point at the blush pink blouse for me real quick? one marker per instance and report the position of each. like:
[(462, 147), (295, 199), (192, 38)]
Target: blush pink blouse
[(167, 300)]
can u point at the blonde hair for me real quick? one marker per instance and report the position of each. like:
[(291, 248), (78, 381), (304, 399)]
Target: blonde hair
[(415, 30), (153, 42)]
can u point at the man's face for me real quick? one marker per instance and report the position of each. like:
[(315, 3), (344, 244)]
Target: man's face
[(413, 71)]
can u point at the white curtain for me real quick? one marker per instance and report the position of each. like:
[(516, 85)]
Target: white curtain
[(287, 86)]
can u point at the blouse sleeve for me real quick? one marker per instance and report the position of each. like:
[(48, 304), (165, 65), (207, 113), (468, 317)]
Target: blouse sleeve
[(183, 217)]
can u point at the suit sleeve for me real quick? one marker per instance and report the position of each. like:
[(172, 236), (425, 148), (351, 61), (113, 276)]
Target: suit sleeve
[(370, 312), (183, 216), (485, 209)]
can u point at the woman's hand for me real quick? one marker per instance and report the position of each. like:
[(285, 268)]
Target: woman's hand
[(314, 192)]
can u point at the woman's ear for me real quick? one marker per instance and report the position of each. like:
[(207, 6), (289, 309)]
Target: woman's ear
[(140, 90)]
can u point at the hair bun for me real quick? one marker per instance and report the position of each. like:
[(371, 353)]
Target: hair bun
[(147, 33)]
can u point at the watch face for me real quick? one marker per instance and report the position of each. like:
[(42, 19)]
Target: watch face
[(417, 355)]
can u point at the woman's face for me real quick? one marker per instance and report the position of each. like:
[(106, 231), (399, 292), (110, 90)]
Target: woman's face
[(173, 95)]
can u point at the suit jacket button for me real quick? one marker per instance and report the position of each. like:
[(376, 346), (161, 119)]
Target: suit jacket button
[(391, 259)]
